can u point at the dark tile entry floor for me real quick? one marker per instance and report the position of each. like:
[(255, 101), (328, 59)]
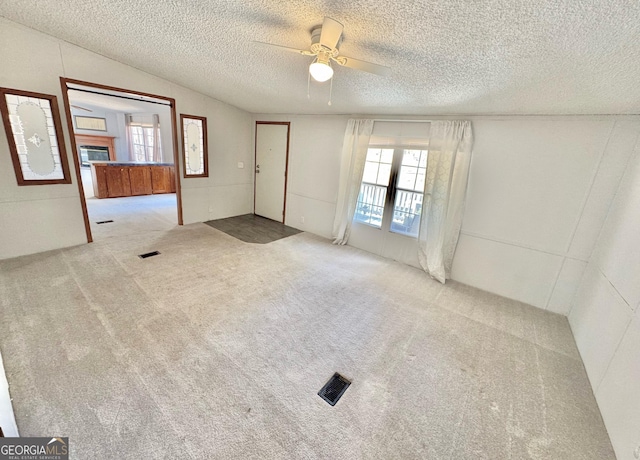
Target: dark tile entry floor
[(253, 229)]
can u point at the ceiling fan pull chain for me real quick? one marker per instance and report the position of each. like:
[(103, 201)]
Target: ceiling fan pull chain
[(330, 91), (308, 84)]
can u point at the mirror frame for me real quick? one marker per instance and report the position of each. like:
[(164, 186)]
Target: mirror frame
[(62, 151), (205, 146)]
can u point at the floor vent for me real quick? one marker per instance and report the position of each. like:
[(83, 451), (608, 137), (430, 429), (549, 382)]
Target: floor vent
[(334, 389), (104, 222), (149, 254)]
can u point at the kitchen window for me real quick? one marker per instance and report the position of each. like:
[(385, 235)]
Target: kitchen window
[(142, 140)]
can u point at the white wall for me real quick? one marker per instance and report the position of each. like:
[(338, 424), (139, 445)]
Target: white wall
[(40, 218), (605, 317), (110, 117), (539, 191), (228, 191), (34, 218), (122, 146), (315, 144), (115, 129), (312, 189)]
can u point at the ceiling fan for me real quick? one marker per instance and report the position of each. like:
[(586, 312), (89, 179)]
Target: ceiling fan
[(81, 108), (325, 46)]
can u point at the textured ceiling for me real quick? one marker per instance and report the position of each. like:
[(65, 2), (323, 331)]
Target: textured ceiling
[(448, 56)]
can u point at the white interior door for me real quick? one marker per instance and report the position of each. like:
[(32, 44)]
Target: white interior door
[(271, 167)]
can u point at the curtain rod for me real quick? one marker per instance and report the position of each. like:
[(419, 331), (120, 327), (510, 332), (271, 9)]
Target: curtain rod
[(117, 95), (403, 121)]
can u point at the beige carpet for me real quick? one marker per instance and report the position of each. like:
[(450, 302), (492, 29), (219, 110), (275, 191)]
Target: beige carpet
[(132, 215), (216, 349)]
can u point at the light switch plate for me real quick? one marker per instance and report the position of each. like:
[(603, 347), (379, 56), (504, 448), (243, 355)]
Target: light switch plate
[(240, 165)]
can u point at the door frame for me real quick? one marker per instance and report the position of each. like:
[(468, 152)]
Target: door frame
[(67, 108), (286, 163)]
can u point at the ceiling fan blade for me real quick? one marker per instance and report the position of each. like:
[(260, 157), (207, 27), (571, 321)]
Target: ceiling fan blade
[(81, 108), (331, 32), (286, 48), (363, 65)]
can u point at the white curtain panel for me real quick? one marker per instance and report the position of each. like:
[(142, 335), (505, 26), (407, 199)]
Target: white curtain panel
[(157, 148), (444, 196), (354, 154), (128, 119)]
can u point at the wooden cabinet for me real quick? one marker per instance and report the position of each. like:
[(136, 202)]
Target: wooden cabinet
[(112, 180), (161, 179), (99, 179), (118, 183), (140, 179)]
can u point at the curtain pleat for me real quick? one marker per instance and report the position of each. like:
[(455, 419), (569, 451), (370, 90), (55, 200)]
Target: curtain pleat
[(448, 163), (128, 118), (157, 149), (354, 154)]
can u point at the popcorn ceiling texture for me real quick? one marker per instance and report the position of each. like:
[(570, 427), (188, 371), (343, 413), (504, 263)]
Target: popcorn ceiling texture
[(448, 57)]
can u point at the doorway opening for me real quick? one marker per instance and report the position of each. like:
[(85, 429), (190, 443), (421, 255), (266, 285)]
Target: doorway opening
[(126, 158), (272, 165)]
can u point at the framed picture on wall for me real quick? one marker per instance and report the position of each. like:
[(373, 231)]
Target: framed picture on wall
[(34, 133), (194, 146)]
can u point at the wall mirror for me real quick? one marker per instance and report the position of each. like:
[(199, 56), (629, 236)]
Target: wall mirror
[(194, 146), (34, 133)]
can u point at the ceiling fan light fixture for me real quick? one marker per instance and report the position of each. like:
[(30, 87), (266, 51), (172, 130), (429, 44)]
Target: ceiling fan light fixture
[(325, 47), (320, 71)]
